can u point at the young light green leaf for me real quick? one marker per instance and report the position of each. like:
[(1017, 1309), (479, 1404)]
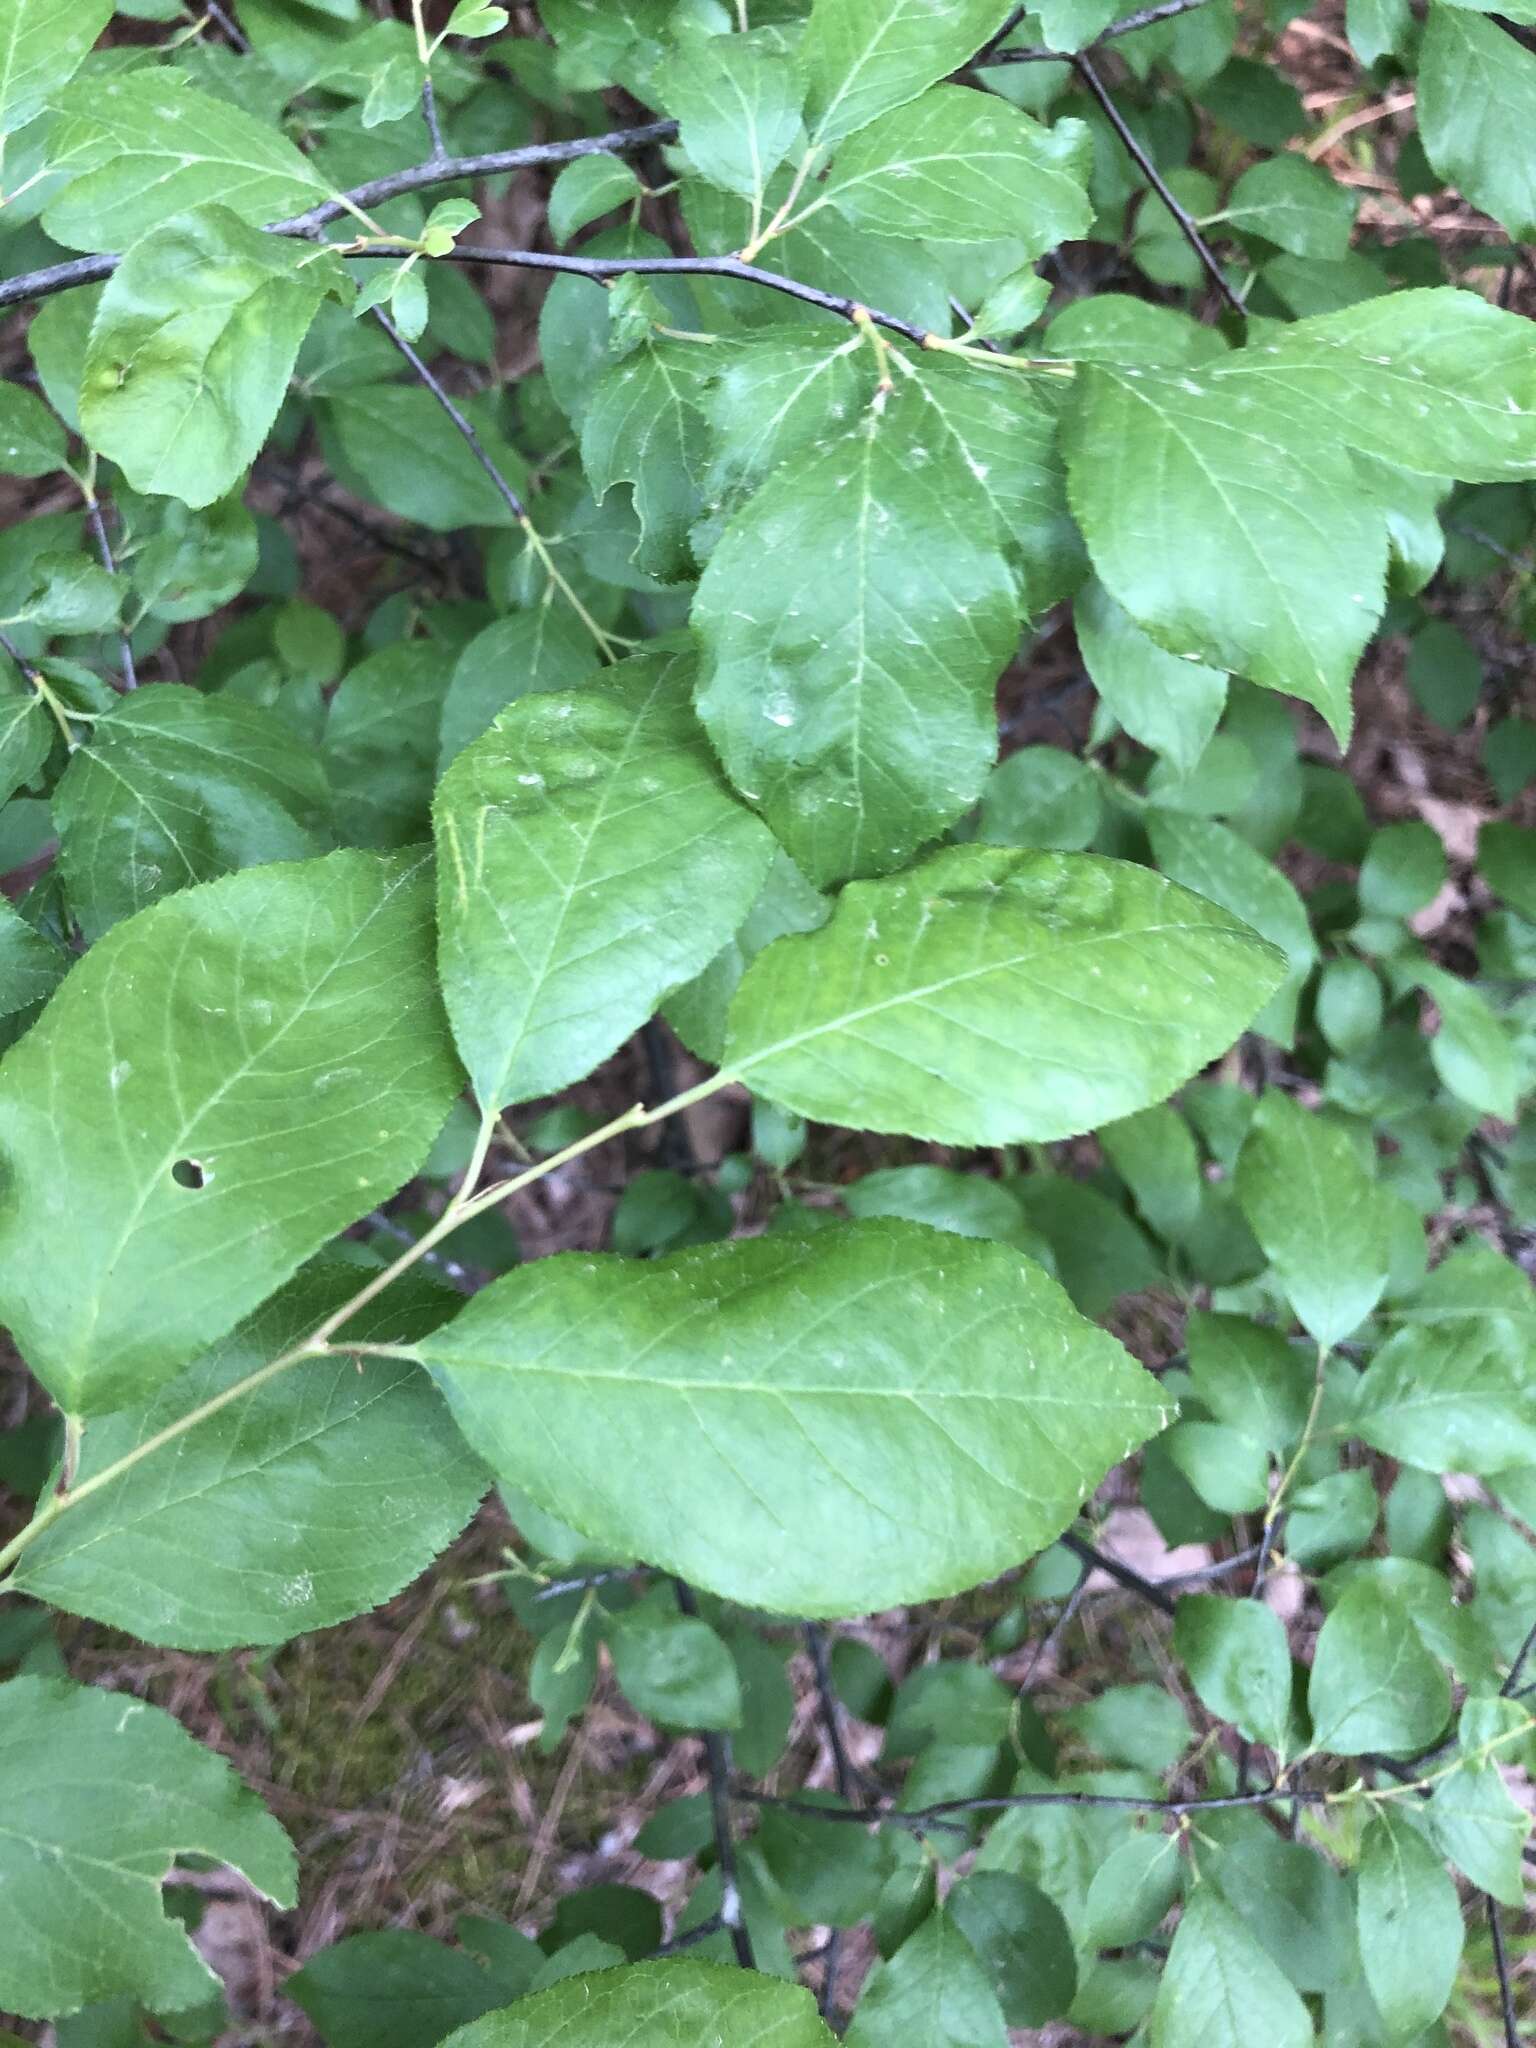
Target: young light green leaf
[(172, 788), (854, 616), (592, 859), (42, 45), (1410, 1925), (1477, 89), (737, 102), (1316, 1211), (223, 1083), (862, 57), (192, 347), (1238, 1661), (144, 146), (944, 1003), (1228, 533), (1374, 1685), (1220, 1988), (788, 1464), (964, 166), (670, 2004), (32, 442), (101, 1794), (934, 1990), (1166, 701), (300, 1503)]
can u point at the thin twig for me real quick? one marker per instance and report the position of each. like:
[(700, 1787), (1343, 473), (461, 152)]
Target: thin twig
[(717, 1754), (1122, 1574), (234, 33), (429, 116), (943, 1813), (1155, 179), (1507, 1689), (504, 490), (843, 1776), (1127, 25), (34, 285), (1501, 1971), (98, 527), (602, 268)]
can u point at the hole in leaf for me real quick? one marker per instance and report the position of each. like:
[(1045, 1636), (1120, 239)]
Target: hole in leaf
[(189, 1173)]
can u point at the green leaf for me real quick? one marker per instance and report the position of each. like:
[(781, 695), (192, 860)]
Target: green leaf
[(1220, 1989), (1250, 1377), (935, 1989), (1476, 1821), (1374, 1685), (592, 859), (1472, 1051), (191, 351), (965, 1203), (699, 1011), (1228, 533), (399, 447), (392, 1989), (673, 1668), (101, 1795), (1227, 1469), (1437, 380), (309, 1499), (587, 189), (1294, 204), (1022, 1941), (1211, 859), (546, 648), (1166, 701), (144, 146), (862, 57), (68, 593), (1403, 870), (1316, 1211), (381, 744), (1457, 1395), (283, 1065), (30, 967), (1476, 89), (27, 734), (42, 45), (663, 2005), (1132, 1890), (173, 788), (947, 1002), (737, 102), (32, 442), (963, 166), (1506, 860), (854, 617), (643, 428), (1410, 1925), (1238, 1662), (1041, 796), (788, 1466)]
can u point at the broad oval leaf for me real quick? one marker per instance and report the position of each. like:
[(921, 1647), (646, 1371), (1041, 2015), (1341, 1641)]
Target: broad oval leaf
[(193, 344), (874, 1414), (1476, 112), (854, 616), (964, 166), (592, 859), (862, 57), (991, 996), (655, 2005), (1410, 1925), (299, 1503), (42, 45), (1374, 1684), (1228, 532), (172, 788), (221, 1084), (100, 1794), (145, 146)]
